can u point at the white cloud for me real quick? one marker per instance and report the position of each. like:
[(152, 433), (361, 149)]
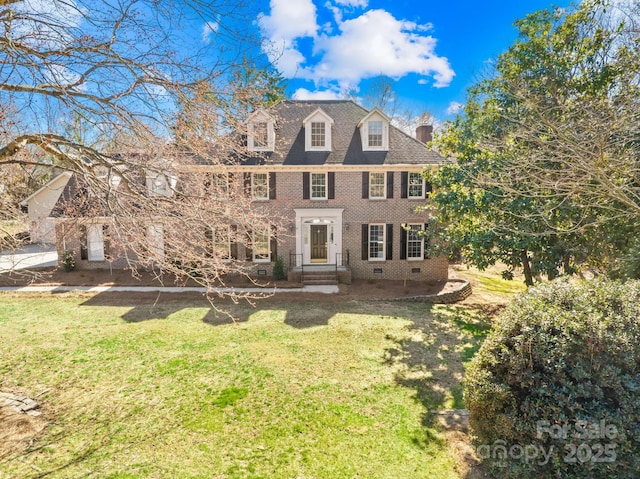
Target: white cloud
[(304, 94), (422, 81), (344, 52), (208, 29), (288, 21), (454, 108), (376, 43), (353, 3)]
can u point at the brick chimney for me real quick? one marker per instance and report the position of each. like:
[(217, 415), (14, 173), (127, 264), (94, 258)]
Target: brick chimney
[(424, 133)]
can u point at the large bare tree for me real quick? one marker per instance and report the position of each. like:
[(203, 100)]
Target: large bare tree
[(132, 96)]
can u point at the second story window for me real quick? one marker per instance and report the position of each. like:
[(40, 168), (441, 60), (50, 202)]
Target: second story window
[(318, 186), (260, 131), (318, 138), (260, 186), (375, 134), (416, 185), (377, 186)]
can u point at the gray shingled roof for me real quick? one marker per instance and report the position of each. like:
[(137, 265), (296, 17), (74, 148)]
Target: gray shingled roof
[(346, 142)]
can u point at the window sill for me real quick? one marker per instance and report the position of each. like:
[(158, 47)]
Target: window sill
[(415, 259), (377, 260)]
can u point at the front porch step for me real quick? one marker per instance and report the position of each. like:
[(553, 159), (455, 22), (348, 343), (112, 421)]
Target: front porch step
[(320, 277)]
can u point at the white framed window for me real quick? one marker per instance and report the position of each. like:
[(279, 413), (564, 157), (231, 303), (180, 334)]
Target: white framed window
[(159, 184), (374, 131), (260, 135), (415, 242), (317, 128), (155, 235), (260, 131), (376, 242), (260, 186), (415, 186), (261, 246), (95, 243), (318, 134), (222, 242), (318, 186), (219, 186), (377, 185), (374, 134)]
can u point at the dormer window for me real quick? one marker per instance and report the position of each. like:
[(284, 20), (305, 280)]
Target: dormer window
[(318, 131), (318, 139), (260, 131), (260, 135), (374, 130)]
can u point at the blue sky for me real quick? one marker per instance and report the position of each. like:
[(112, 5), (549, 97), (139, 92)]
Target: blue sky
[(433, 50)]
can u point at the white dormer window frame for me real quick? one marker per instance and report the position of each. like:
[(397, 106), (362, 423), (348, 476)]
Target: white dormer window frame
[(374, 131), (261, 129), (161, 184), (317, 127)]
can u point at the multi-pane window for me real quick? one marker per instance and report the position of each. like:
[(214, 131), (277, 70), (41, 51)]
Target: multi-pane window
[(260, 135), (222, 242), (219, 186), (261, 246), (260, 186), (376, 241), (375, 133), (416, 185), (377, 185), (318, 138), (415, 242), (318, 186)]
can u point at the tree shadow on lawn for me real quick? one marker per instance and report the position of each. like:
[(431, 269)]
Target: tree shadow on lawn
[(299, 314), (429, 358)]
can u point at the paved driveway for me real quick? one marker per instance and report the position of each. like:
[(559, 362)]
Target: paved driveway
[(30, 256)]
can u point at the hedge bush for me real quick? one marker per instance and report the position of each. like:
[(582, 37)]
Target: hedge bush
[(559, 377)]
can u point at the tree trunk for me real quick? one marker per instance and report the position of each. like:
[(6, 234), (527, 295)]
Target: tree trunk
[(528, 277)]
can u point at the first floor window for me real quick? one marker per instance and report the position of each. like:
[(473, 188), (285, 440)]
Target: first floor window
[(92, 245), (155, 235), (376, 242), (415, 242), (260, 186), (222, 242), (416, 185), (377, 185), (318, 186), (261, 246)]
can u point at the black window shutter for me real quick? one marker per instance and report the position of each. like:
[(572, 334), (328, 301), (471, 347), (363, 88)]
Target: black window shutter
[(247, 183), (305, 185), (208, 234), (428, 188), (403, 243), (427, 241), (272, 185), (84, 250), (365, 184), (389, 184), (331, 179), (389, 241), (365, 242), (106, 240), (234, 243), (404, 184), (274, 243), (248, 247)]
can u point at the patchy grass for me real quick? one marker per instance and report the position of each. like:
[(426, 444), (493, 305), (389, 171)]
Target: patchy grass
[(488, 286), (147, 387)]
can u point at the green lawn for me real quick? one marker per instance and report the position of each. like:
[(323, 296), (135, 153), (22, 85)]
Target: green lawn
[(144, 388)]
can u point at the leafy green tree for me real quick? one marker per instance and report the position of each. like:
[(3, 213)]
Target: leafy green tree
[(546, 171)]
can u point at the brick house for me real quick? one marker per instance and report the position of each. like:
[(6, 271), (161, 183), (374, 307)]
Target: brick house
[(348, 185)]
